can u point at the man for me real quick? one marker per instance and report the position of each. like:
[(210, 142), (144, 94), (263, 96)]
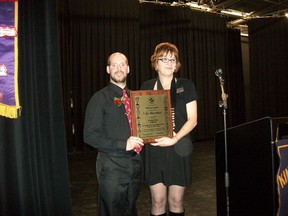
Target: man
[(118, 166)]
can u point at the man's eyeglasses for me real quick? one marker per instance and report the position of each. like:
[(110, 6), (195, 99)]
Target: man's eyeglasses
[(166, 60)]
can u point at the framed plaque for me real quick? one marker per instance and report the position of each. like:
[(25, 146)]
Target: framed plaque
[(151, 114)]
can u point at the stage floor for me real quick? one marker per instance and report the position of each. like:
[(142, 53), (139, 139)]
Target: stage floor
[(200, 197)]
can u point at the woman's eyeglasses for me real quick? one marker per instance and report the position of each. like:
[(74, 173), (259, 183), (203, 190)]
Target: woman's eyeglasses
[(166, 60)]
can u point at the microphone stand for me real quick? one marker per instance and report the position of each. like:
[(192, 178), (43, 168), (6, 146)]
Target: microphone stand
[(223, 103)]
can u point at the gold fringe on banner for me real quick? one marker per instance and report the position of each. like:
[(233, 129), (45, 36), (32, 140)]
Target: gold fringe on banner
[(10, 111)]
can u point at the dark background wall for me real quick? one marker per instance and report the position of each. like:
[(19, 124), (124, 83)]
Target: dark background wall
[(204, 42), (90, 32)]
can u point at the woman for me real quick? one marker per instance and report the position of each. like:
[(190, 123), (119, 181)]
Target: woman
[(168, 161)]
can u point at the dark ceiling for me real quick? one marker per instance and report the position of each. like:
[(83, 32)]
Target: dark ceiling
[(256, 8)]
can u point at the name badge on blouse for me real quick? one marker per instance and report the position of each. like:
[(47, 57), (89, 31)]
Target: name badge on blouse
[(179, 90)]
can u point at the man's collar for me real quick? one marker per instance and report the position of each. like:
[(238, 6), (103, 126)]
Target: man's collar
[(117, 89)]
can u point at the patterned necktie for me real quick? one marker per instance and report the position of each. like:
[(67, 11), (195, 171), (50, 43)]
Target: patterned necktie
[(126, 101)]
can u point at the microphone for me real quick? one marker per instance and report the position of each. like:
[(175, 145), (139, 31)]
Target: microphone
[(219, 72), (224, 96)]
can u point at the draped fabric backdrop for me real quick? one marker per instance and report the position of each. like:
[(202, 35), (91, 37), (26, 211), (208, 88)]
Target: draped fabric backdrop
[(269, 67), (90, 32), (34, 177)]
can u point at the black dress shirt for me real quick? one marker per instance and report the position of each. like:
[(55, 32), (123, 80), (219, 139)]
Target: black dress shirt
[(106, 126)]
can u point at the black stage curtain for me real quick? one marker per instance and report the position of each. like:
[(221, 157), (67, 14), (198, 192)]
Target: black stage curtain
[(90, 32), (268, 67), (205, 44), (33, 158)]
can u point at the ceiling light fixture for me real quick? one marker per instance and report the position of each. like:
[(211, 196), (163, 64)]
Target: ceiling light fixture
[(195, 5), (235, 13)]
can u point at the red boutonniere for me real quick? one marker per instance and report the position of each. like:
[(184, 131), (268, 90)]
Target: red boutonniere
[(118, 101)]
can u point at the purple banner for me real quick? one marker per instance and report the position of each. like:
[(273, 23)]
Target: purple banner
[(282, 177), (9, 101)]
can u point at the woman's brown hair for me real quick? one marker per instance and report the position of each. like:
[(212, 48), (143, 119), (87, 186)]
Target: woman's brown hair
[(163, 49)]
